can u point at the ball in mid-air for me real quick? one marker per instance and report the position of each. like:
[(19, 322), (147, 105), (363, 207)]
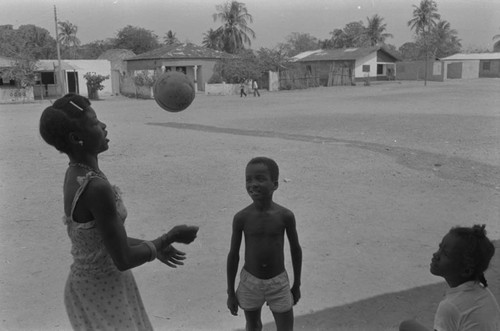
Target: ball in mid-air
[(173, 91)]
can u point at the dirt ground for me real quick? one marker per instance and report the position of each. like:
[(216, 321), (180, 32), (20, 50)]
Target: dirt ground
[(375, 175)]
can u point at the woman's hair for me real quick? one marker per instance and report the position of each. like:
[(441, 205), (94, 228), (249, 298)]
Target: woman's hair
[(477, 250), (62, 118), (271, 165)]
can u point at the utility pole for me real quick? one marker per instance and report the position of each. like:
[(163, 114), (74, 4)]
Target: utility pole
[(60, 77)]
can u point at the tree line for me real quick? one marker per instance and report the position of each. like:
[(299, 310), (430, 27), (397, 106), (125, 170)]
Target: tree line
[(433, 37)]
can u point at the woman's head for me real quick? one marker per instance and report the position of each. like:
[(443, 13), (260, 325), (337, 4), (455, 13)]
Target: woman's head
[(464, 255), (58, 121)]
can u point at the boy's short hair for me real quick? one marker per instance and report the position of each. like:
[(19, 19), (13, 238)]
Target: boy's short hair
[(271, 165), (62, 118)]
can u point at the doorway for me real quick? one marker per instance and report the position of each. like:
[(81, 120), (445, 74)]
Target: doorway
[(73, 82)]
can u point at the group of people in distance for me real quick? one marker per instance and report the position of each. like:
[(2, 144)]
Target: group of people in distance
[(255, 88), (101, 293)]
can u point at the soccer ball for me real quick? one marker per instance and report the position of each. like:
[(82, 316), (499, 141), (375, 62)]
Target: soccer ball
[(173, 91)]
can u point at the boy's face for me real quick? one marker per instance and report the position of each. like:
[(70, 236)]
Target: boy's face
[(447, 261), (259, 184)]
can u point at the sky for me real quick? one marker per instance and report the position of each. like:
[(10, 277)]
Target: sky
[(476, 21)]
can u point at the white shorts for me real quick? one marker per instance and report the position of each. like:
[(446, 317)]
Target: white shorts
[(253, 292)]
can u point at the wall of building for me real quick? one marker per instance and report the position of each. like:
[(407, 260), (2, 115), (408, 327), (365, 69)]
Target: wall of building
[(99, 67), (370, 60), (415, 70), (470, 69), (494, 70), (15, 95), (205, 68)]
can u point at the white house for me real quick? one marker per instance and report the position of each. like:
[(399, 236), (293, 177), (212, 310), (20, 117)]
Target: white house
[(474, 65), (73, 77)]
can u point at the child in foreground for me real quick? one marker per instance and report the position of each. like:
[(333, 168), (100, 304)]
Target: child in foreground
[(462, 258), (263, 277)]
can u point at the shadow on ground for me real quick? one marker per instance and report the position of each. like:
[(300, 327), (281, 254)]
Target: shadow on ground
[(385, 312)]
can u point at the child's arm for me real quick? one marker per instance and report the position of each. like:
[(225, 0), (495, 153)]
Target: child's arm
[(296, 253), (233, 259)]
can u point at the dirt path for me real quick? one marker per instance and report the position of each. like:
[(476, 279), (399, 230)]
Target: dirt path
[(375, 175)]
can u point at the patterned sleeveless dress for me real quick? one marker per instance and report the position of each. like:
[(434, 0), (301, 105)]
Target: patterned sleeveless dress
[(97, 295)]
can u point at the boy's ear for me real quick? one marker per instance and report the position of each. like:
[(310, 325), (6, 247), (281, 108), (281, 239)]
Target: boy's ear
[(276, 184)]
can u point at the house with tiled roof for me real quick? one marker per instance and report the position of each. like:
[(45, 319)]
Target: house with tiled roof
[(345, 66), (195, 61)]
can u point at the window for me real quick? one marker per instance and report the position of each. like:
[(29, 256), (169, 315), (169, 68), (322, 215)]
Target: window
[(380, 69), (486, 65), (48, 78), (366, 68)]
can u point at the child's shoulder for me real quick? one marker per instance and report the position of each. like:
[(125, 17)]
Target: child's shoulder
[(283, 210)]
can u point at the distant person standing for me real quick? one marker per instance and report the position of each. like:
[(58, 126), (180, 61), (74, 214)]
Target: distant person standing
[(255, 88), (242, 90)]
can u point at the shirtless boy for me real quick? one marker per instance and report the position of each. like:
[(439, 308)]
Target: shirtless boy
[(263, 278)]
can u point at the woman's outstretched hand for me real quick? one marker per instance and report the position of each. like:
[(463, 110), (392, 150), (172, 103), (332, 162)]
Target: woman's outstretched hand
[(183, 234), (171, 256)]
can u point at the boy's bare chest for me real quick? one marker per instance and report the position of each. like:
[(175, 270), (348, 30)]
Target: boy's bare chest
[(264, 227)]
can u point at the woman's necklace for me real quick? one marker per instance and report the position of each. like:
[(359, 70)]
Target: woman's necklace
[(88, 168)]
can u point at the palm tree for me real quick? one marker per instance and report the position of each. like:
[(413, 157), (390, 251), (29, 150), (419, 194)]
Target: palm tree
[(445, 39), (424, 19), (67, 37), (235, 32), (212, 40), (375, 30), (170, 38)]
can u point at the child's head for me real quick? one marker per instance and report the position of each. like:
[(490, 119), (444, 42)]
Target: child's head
[(271, 165), (62, 118), (463, 255), (261, 177)]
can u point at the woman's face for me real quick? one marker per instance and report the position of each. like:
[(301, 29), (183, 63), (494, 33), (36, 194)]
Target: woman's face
[(93, 133)]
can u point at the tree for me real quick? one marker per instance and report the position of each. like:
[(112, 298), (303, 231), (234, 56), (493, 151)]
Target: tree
[(375, 30), (234, 32), (410, 51), (423, 21), (496, 46), (212, 39), (67, 38), (94, 49), (238, 69), (273, 59), (445, 41), (27, 42), (353, 35), (299, 42), (138, 40), (170, 38), (23, 73)]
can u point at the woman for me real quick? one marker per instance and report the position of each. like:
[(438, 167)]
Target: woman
[(100, 292)]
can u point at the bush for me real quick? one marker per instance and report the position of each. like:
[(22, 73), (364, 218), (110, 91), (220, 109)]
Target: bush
[(94, 84)]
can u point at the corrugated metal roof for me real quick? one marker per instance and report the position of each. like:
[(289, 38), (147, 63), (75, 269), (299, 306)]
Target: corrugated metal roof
[(180, 51), (340, 54), (472, 56)]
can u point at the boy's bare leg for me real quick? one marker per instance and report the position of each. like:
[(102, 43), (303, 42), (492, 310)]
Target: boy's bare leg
[(284, 321), (412, 325), (254, 322)]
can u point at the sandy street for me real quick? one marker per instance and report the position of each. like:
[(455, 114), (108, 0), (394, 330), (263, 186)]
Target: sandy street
[(375, 175)]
